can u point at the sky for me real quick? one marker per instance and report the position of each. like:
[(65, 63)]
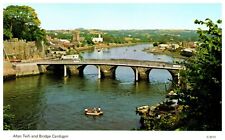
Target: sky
[(124, 16)]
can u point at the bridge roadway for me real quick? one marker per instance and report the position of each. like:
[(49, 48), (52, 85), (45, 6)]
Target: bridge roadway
[(107, 67), (115, 62)]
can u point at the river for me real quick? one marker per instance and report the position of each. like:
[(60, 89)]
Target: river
[(52, 102)]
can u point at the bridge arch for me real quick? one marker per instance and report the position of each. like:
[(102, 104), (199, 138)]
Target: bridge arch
[(107, 71), (88, 70), (160, 75), (124, 71), (98, 70)]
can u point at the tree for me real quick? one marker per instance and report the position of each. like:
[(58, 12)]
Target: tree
[(200, 101), (22, 22), (203, 75)]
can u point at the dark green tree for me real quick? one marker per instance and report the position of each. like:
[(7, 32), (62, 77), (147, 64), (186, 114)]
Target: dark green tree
[(22, 22), (203, 76), (8, 118), (200, 95)]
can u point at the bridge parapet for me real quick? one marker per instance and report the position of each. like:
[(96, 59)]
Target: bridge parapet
[(115, 62)]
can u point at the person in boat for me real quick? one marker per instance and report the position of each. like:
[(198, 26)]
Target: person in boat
[(99, 109), (95, 110), (86, 110)]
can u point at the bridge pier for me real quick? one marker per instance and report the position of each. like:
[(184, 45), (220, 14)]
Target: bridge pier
[(108, 71), (73, 69), (99, 72), (136, 74), (103, 70), (65, 71), (141, 73), (144, 73), (176, 76)]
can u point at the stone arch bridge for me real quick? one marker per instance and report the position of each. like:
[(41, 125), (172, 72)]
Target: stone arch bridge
[(107, 68)]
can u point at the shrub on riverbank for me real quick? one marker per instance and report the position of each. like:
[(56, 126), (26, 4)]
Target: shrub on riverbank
[(8, 118)]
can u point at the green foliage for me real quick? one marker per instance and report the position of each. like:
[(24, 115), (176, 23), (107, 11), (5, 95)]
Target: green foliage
[(71, 51), (60, 35), (131, 36), (200, 95), (155, 44), (109, 38), (203, 75), (7, 34), (162, 36), (8, 118), (88, 39), (164, 122), (22, 22)]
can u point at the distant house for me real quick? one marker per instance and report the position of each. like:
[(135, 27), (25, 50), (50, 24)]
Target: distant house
[(99, 39), (71, 57), (163, 45), (58, 51)]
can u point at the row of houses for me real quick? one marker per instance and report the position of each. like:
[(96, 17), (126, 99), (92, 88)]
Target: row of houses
[(75, 39), (58, 47), (188, 49), (168, 46)]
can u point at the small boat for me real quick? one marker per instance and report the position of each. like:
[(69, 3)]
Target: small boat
[(93, 111)]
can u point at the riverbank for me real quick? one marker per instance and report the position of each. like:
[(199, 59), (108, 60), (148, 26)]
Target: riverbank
[(172, 53), (101, 46), (163, 116)]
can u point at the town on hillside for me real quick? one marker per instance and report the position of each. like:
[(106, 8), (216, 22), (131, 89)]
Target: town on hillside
[(68, 42)]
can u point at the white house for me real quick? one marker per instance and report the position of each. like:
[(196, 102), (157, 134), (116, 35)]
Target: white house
[(97, 40), (163, 45), (69, 57)]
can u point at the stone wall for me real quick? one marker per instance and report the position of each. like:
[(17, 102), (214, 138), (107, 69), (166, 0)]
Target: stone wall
[(11, 71), (8, 71), (25, 69), (21, 50)]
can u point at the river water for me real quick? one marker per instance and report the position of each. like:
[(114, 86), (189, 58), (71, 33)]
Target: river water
[(52, 102)]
